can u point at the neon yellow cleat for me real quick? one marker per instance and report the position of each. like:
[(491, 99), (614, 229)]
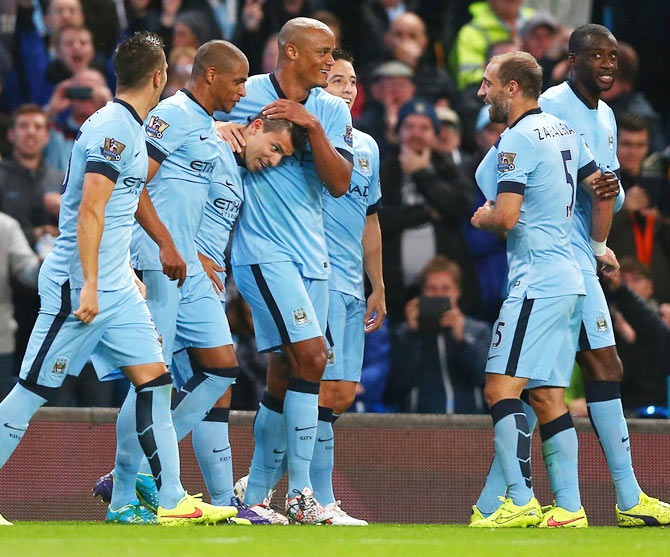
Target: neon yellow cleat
[(476, 514), (192, 510), (510, 515), (5, 522), (647, 512), (558, 517)]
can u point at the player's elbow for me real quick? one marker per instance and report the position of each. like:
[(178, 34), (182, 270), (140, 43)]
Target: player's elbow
[(508, 221), (337, 188)]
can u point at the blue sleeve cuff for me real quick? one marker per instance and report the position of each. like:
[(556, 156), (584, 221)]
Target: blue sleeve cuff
[(586, 171), (346, 154), (511, 187), (155, 153), (372, 209), (98, 167)]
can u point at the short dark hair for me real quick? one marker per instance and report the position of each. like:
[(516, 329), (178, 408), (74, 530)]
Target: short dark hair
[(136, 58), (298, 133), (340, 54), (580, 36), (632, 122), (522, 68), (630, 264), (441, 264), (28, 108)]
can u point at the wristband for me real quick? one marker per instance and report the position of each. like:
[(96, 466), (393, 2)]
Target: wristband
[(599, 248)]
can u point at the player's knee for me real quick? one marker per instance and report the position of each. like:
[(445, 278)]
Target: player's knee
[(491, 394), (343, 403), (312, 364)]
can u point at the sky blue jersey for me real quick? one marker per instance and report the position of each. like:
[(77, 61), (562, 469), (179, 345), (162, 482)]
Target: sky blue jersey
[(344, 218), (597, 126), (543, 159), (110, 143), (223, 205), (180, 135), (281, 219)]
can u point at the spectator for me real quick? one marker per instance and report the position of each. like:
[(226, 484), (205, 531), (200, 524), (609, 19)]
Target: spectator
[(333, 22), (449, 138), (623, 99), (639, 230), (645, 358), (438, 353), (180, 65), (391, 88), (539, 36), (492, 22), (192, 29), (18, 262), (259, 19), (73, 101), (406, 41), (75, 52), (426, 200), (28, 185), (28, 81), (270, 54)]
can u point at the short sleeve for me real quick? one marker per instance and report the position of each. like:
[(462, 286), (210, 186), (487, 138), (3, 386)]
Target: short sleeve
[(375, 193), (109, 148), (586, 165), (337, 125), (164, 131), (516, 160)]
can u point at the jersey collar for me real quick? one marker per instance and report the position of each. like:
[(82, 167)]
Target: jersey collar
[(278, 90), (537, 110), (190, 96), (581, 97), (130, 109)]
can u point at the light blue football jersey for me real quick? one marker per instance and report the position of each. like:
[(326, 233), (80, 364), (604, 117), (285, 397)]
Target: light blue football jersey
[(344, 218), (281, 219), (223, 205), (180, 135), (110, 143), (597, 126), (543, 159)]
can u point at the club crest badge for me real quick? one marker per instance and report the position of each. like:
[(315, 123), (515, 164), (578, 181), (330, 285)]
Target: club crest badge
[(331, 357), (300, 317), (155, 127), (112, 149), (364, 164), (506, 161), (60, 365), (601, 324)]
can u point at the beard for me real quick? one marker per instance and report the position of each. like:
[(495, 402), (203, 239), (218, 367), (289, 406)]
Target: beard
[(499, 110)]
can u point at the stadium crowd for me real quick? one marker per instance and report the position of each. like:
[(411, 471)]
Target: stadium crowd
[(420, 63)]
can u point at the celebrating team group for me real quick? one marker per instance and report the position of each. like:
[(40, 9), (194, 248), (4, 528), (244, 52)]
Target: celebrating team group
[(135, 282)]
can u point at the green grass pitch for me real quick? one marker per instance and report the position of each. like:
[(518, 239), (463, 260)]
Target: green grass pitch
[(71, 539)]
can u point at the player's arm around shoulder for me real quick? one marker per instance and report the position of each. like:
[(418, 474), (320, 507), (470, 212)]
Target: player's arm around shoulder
[(332, 150)]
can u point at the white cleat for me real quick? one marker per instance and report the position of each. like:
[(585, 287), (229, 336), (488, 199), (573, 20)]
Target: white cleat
[(305, 509), (264, 510), (340, 518), (4, 521)]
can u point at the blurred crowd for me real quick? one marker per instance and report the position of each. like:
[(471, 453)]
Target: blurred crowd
[(419, 64)]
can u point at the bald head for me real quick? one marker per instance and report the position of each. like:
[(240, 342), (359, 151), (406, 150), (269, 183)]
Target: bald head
[(221, 55), (300, 32)]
